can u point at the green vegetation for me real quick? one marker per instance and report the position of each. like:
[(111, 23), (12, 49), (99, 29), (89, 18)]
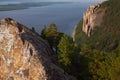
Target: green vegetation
[(68, 56), (63, 47), (100, 53), (105, 37), (100, 66), (90, 58), (33, 29), (52, 35)]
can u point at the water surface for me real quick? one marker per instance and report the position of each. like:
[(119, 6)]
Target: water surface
[(65, 16)]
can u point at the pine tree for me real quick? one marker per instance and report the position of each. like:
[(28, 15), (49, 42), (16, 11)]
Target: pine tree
[(67, 56), (43, 32)]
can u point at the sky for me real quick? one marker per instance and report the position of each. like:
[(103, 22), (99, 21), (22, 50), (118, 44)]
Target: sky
[(51, 0)]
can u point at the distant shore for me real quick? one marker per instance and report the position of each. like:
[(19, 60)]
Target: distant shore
[(20, 6)]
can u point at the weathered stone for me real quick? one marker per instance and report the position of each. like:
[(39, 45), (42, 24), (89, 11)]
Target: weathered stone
[(92, 18), (24, 55)]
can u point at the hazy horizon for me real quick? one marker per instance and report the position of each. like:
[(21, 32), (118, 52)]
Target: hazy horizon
[(51, 0), (4, 2)]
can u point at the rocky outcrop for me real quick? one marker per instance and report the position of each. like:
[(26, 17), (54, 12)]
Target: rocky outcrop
[(73, 33), (92, 18), (25, 56)]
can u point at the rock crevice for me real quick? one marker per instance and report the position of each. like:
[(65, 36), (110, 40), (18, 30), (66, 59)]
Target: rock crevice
[(24, 55), (92, 18)]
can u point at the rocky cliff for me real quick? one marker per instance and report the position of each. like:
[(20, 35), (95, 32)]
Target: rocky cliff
[(24, 55), (102, 23), (92, 18)]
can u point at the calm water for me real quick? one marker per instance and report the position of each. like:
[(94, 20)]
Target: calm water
[(66, 16)]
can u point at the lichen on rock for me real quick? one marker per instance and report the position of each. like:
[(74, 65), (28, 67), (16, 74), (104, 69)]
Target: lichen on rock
[(24, 55)]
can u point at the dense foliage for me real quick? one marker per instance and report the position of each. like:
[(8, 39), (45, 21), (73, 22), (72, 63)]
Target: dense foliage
[(52, 35), (68, 57), (100, 53), (65, 52), (105, 37), (90, 58)]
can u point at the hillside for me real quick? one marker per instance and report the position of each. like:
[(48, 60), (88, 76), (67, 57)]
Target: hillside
[(105, 36), (97, 37), (93, 54)]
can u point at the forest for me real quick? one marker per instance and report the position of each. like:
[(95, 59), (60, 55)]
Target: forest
[(89, 58)]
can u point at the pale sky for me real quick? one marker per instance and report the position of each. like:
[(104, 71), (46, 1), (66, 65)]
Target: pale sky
[(68, 0), (52, 0)]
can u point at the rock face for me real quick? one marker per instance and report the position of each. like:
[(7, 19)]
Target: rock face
[(24, 55), (92, 18)]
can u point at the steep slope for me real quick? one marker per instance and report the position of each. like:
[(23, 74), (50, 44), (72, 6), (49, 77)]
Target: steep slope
[(101, 23), (92, 18), (24, 55)]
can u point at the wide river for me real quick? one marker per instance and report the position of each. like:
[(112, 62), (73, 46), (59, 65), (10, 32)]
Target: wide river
[(65, 16)]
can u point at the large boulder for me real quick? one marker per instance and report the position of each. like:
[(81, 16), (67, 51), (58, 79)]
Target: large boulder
[(24, 55)]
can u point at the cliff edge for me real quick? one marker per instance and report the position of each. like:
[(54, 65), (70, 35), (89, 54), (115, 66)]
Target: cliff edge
[(100, 27), (92, 18), (24, 55)]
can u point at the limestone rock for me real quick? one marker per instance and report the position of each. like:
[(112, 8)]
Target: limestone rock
[(92, 18), (24, 55)]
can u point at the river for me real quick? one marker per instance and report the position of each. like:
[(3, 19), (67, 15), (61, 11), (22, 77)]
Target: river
[(65, 16)]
